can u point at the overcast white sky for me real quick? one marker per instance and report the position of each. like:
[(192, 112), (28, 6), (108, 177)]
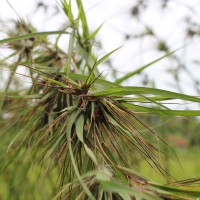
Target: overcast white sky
[(115, 14)]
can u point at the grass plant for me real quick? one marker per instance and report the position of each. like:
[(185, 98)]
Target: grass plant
[(72, 134)]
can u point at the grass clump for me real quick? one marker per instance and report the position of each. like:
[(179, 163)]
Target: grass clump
[(82, 130)]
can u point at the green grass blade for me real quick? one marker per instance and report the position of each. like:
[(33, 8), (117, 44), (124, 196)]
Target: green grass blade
[(80, 127), (187, 182), (98, 81), (83, 19), (124, 189), (54, 81), (70, 51), (91, 36), (91, 74), (68, 10), (25, 97), (90, 154), (183, 192), (96, 64), (79, 132), (28, 126), (137, 71), (106, 56), (153, 101), (31, 35), (162, 111), (124, 91), (141, 99), (71, 121), (72, 82)]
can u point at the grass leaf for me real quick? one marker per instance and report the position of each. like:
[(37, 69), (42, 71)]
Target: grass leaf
[(31, 35), (80, 127), (162, 111), (83, 19), (97, 62), (71, 121), (68, 10), (124, 91), (137, 71), (91, 36), (90, 154)]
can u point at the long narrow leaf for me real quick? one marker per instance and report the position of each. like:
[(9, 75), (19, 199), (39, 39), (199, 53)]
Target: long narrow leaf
[(89, 80), (94, 33), (71, 121), (31, 35), (137, 71), (98, 81), (123, 91), (83, 19), (162, 111)]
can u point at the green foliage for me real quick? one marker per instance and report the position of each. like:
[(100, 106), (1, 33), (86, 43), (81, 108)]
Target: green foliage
[(79, 128)]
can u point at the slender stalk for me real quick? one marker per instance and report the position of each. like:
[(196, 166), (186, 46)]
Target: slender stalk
[(70, 52), (10, 79)]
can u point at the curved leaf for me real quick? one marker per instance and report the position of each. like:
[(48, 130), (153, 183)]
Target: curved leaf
[(31, 35), (162, 111), (124, 91)]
